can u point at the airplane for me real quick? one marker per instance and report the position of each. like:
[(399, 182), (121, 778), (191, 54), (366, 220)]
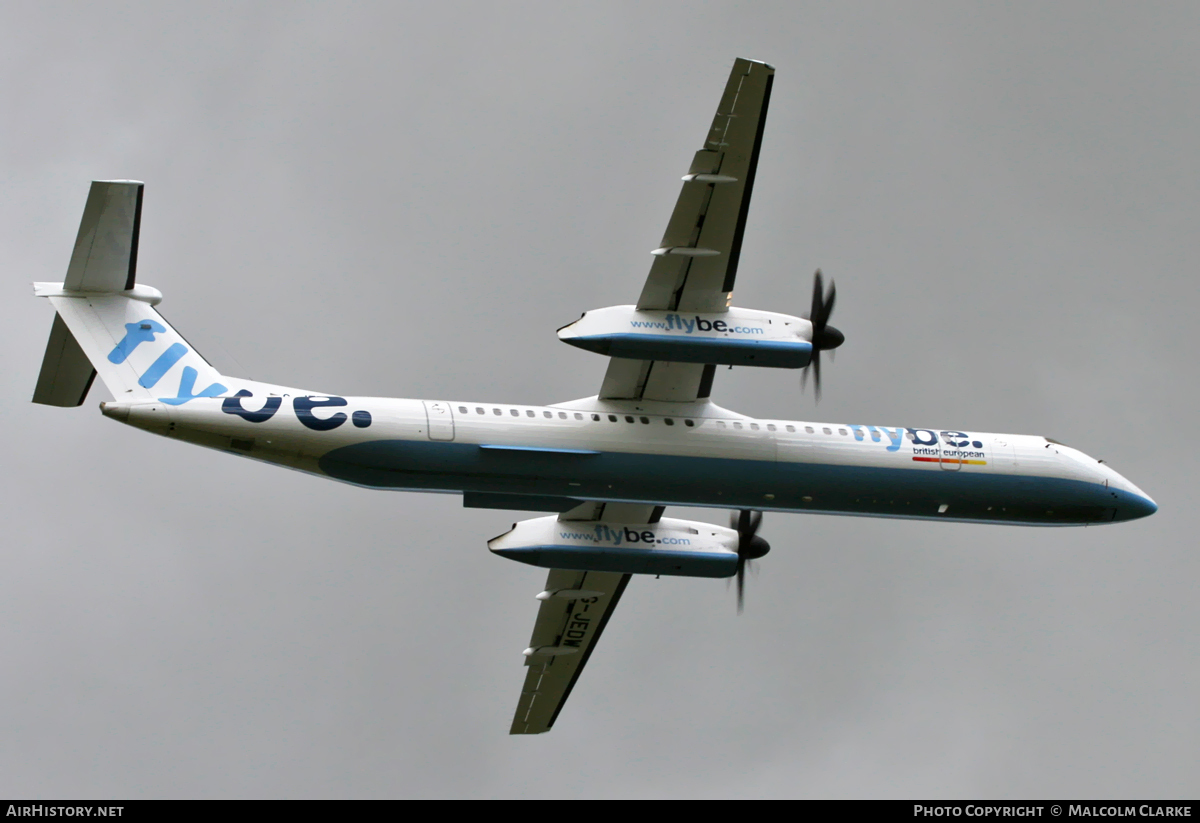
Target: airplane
[(604, 467)]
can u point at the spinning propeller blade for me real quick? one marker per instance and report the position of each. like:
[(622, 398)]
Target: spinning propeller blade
[(750, 546), (824, 336)]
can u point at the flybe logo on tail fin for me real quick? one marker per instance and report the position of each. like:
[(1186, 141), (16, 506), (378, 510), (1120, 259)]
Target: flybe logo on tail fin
[(135, 335), (186, 383), (143, 332), (162, 365)]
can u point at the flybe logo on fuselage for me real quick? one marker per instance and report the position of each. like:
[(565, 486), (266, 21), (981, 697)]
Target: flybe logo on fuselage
[(143, 332), (926, 438), (676, 322), (952, 447), (302, 406)]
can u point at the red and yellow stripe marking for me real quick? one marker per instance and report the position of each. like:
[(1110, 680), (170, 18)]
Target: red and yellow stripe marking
[(950, 460)]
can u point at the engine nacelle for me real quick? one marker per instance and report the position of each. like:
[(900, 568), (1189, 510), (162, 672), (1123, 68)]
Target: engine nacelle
[(737, 337), (674, 547)]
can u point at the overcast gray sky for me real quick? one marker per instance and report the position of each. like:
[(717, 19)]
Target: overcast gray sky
[(407, 200)]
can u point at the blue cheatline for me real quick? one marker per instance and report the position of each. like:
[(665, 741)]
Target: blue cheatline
[(626, 561), (769, 353), (915, 493)]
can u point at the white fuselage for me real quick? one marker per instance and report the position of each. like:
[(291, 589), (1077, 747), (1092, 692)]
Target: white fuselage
[(551, 457)]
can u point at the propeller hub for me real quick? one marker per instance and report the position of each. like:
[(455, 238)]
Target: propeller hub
[(828, 338), (756, 548)]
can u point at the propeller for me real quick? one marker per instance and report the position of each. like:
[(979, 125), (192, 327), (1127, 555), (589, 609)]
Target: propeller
[(824, 336), (750, 546)]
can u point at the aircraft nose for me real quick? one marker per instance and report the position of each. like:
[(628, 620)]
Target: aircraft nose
[(1135, 506), (1129, 502)]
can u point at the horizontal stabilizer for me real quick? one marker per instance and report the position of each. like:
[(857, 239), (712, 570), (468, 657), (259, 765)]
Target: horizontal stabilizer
[(105, 256), (66, 372)]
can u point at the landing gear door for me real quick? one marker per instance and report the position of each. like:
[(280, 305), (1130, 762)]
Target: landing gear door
[(440, 418)]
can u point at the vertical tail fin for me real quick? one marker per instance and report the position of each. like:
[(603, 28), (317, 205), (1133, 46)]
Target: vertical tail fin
[(107, 324)]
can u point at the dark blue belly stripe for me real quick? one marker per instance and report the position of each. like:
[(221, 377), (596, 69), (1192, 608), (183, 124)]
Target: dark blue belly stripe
[(726, 483)]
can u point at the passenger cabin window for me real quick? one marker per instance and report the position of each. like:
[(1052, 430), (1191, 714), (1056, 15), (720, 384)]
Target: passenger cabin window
[(578, 416), (596, 418), (720, 424), (826, 430), (530, 413), (688, 423), (842, 431), (809, 429), (645, 420), (612, 418), (548, 415), (515, 412), (770, 427), (497, 411), (629, 418), (668, 421), (791, 428), (462, 410), (479, 410), (563, 416), (754, 426), (737, 425)]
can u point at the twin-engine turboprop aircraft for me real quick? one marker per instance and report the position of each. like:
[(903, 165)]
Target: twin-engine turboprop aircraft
[(604, 466)]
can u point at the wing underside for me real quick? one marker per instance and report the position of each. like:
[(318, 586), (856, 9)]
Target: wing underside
[(696, 264), (694, 270), (575, 608), (563, 624)]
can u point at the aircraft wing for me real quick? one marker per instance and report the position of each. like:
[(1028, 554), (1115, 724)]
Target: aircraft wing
[(696, 264), (575, 608)]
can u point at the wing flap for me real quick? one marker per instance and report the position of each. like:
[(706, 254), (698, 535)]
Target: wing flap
[(656, 380)]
